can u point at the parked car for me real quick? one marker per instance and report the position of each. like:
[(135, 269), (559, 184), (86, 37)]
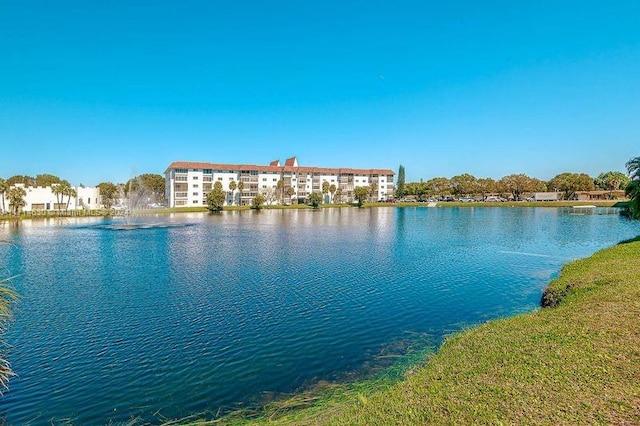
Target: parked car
[(466, 200)]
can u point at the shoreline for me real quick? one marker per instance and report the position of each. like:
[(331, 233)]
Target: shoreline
[(572, 361), (162, 211)]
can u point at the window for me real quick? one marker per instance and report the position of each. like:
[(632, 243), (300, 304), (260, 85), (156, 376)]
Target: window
[(195, 194), (195, 185), (181, 178), (207, 171), (264, 179), (181, 171), (219, 178), (195, 201), (195, 178)]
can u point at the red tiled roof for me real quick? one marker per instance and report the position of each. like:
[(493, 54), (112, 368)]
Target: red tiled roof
[(278, 169), (290, 161), (275, 163)]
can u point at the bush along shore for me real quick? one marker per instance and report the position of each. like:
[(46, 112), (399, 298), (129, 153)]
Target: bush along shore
[(574, 361)]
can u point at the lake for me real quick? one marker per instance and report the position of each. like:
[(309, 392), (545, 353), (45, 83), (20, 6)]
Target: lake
[(196, 313)]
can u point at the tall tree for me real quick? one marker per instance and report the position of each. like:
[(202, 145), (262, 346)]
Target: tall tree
[(373, 191), (69, 191), (240, 188), (15, 196), (438, 187), (3, 190), (147, 185), (45, 180), (361, 193), (612, 181), (232, 189), (337, 197), (464, 184), (290, 193), (633, 168), (518, 184), (23, 179), (400, 190), (325, 189), (633, 188), (109, 194), (216, 198), (332, 191), (570, 183), (280, 189), (58, 190), (486, 186)]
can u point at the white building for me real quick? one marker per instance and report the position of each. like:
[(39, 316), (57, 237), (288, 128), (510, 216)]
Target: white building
[(44, 199), (188, 183)]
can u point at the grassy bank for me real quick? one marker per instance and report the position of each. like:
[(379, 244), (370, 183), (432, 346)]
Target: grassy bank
[(575, 363)]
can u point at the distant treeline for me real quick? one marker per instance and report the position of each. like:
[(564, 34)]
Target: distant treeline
[(511, 186)]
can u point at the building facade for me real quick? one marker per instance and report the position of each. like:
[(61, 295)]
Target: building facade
[(188, 183), (44, 199)]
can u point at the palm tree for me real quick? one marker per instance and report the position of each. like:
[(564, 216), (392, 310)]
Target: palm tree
[(374, 190), (16, 199), (70, 192), (3, 188), (332, 190), (240, 188), (633, 167), (633, 188), (325, 189), (280, 188), (58, 190), (232, 188), (290, 193)]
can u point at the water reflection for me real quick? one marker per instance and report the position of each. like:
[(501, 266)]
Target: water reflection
[(215, 310)]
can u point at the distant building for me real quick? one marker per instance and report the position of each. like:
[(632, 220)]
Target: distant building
[(547, 196), (43, 199), (600, 195), (188, 183)]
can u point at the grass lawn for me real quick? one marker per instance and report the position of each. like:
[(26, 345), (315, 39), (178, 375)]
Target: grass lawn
[(575, 363)]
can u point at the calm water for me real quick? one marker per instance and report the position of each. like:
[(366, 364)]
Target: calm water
[(214, 311)]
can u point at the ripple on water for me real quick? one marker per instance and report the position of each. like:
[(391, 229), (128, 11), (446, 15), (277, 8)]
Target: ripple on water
[(226, 310)]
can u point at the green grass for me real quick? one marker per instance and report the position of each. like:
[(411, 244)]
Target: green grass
[(576, 363)]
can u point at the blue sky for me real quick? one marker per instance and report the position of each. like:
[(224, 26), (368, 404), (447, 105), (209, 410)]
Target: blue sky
[(103, 90)]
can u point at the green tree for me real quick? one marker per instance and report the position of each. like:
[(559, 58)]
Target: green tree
[(633, 168), (373, 191), (325, 189), (633, 188), (438, 187), (290, 193), (58, 190), (240, 188), (361, 193), (280, 189), (337, 197), (332, 191), (232, 189), (257, 202), (45, 180), (148, 186), (23, 179), (518, 184), (109, 193), (400, 187), (464, 184), (3, 190), (16, 195), (216, 198), (487, 186), (612, 181), (570, 183), (69, 191), (315, 199)]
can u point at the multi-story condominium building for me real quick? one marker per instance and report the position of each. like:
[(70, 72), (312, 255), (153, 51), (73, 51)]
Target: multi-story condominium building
[(188, 183), (39, 198)]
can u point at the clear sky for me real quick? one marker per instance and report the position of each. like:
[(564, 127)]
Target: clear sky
[(103, 90)]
